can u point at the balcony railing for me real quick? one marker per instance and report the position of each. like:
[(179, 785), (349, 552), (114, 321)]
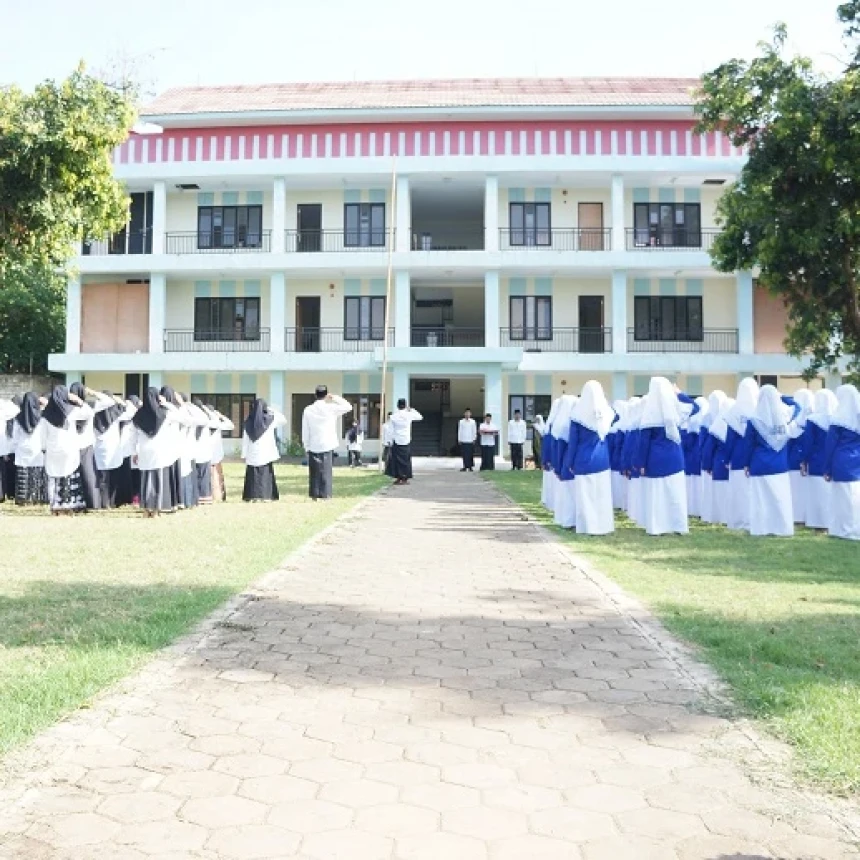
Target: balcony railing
[(126, 242), (332, 241), (451, 336), (713, 340), (514, 239), (195, 242), (187, 340), (311, 339), (581, 340), (448, 240), (654, 239)]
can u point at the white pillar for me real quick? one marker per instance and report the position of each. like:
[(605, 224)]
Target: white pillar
[(277, 311), (403, 216), (279, 215), (746, 335), (159, 216), (156, 379), (493, 402), (491, 213), (618, 243), (619, 386), (157, 311), (619, 312), (492, 318), (399, 387), (276, 391), (402, 310), (73, 316)]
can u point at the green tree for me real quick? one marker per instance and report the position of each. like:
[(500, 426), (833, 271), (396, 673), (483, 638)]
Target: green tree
[(794, 213)]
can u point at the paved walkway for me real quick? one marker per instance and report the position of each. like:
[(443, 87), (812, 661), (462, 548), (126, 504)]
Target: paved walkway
[(432, 680)]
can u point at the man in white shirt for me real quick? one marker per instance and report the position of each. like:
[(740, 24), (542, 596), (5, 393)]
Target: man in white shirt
[(401, 448), (488, 432), (517, 429), (320, 439), (467, 433), (387, 442)]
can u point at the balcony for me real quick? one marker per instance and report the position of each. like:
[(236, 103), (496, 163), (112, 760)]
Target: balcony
[(124, 242), (309, 339), (715, 340), (446, 336), (655, 239), (572, 340), (335, 241), (217, 242), (182, 340), (449, 240), (516, 239)]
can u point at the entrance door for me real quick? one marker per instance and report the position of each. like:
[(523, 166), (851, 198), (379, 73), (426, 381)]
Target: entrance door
[(591, 227), (308, 332), (309, 221), (591, 324)]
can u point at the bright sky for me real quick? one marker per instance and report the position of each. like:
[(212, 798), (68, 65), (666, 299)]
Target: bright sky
[(252, 41)]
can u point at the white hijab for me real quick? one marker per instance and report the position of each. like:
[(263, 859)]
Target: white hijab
[(716, 399), (620, 408), (805, 399), (744, 407), (538, 425), (772, 418), (662, 408), (720, 426), (847, 413), (697, 421), (561, 425), (592, 410), (825, 407), (553, 411)]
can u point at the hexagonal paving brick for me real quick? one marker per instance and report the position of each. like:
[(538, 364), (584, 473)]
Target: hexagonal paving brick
[(436, 846), (634, 776), (368, 752), (310, 816), (402, 773), (441, 796), (485, 823), (479, 775), (574, 825), (346, 845), (140, 806), (536, 848), (248, 765), (397, 820), (660, 823), (628, 846), (605, 798), (708, 847), (224, 745), (74, 829), (278, 789), (522, 798), (358, 793), (160, 837), (552, 774), (199, 784), (253, 842), (225, 811), (323, 770)]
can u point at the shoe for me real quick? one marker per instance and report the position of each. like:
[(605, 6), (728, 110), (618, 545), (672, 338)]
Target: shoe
[(464, 469)]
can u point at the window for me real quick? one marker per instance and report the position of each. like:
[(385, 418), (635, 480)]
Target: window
[(236, 407), (667, 225), (531, 318), (230, 227), (226, 319), (530, 224), (364, 225), (768, 380), (364, 318), (530, 405), (668, 318), (365, 407)]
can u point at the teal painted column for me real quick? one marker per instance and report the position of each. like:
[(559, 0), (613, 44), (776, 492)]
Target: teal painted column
[(400, 387), (72, 378), (277, 391), (155, 379), (746, 338), (619, 386), (277, 311), (619, 312), (491, 309)]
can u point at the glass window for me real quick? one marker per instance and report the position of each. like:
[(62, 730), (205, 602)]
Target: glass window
[(530, 405), (530, 224), (227, 319), (364, 225), (364, 318), (229, 226), (365, 408), (668, 225), (676, 318), (236, 407), (531, 318)]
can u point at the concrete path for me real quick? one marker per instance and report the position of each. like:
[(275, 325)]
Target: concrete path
[(431, 680)]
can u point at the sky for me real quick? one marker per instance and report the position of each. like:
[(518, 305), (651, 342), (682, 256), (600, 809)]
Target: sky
[(199, 42)]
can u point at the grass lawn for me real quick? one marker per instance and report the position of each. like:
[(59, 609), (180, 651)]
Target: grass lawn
[(85, 600), (778, 618)]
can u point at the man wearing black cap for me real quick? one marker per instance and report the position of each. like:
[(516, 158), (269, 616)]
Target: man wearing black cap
[(320, 438)]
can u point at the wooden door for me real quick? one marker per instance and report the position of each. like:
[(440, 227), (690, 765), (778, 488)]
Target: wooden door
[(590, 219)]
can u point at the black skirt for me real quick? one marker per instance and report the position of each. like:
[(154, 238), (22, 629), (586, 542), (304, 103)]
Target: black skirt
[(260, 484), (190, 496), (320, 475), (90, 480), (401, 456), (156, 489), (488, 458), (204, 482), (31, 485), (7, 476), (115, 485)]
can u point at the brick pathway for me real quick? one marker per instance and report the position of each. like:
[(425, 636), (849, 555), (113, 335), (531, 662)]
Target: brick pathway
[(431, 679)]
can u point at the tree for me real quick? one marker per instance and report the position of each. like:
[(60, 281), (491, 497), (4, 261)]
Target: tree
[(794, 213)]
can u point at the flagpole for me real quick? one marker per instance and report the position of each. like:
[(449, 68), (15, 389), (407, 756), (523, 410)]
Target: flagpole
[(392, 237)]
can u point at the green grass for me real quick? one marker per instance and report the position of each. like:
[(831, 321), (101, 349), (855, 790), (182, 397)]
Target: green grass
[(778, 618), (85, 600)]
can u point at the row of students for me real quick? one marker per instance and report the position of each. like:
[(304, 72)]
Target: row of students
[(759, 462)]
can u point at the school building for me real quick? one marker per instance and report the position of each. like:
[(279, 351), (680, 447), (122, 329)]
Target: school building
[(538, 233)]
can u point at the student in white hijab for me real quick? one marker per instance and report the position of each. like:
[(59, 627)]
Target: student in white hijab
[(564, 513), (692, 440), (587, 461), (813, 446), (737, 418), (549, 478), (716, 399), (763, 453), (615, 440), (629, 455), (662, 461), (805, 399), (538, 431), (716, 460), (842, 464)]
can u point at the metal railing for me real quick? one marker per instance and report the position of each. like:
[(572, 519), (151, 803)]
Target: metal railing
[(125, 242), (712, 340), (316, 241), (195, 242), (581, 340), (448, 240), (451, 336), (188, 340), (312, 339), (513, 239), (670, 240)]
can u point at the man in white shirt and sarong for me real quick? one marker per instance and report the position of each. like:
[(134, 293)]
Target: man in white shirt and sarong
[(401, 448), (320, 439), (488, 433), (517, 429), (467, 433)]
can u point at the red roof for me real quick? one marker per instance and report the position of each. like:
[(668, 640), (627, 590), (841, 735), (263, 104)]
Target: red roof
[(383, 95)]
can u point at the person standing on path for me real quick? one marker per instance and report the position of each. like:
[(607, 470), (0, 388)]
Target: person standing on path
[(260, 452), (488, 433), (517, 429), (354, 440), (401, 448), (467, 433), (320, 437)]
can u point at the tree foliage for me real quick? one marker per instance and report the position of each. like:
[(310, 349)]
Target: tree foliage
[(794, 214)]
